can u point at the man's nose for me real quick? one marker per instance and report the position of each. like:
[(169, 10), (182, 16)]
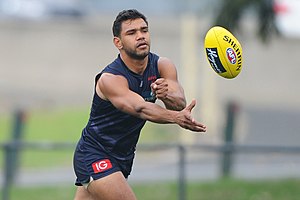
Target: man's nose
[(140, 35)]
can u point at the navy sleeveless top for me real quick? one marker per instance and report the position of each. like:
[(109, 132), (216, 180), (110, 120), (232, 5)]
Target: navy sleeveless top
[(111, 130)]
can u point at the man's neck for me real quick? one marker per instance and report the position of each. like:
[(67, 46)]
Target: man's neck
[(137, 66)]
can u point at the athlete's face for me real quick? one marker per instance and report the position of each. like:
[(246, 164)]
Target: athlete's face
[(134, 39)]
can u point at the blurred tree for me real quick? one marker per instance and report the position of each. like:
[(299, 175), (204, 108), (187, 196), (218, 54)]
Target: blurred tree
[(231, 12)]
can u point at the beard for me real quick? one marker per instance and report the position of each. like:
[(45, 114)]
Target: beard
[(137, 55)]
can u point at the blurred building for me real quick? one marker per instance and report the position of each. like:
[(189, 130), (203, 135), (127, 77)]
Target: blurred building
[(40, 9)]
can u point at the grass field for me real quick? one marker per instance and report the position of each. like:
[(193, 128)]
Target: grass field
[(65, 125), (215, 190), (47, 125)]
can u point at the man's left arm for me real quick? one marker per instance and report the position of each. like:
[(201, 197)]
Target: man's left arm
[(167, 88)]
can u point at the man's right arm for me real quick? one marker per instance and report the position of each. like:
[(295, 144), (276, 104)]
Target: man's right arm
[(115, 89)]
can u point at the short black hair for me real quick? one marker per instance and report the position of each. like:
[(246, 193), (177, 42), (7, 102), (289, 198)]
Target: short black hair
[(123, 16)]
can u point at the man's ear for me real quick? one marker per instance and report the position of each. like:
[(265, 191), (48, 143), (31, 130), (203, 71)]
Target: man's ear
[(118, 43)]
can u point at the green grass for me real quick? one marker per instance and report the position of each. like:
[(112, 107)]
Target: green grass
[(56, 125), (65, 125), (213, 190), (43, 193), (5, 122), (47, 125), (247, 190)]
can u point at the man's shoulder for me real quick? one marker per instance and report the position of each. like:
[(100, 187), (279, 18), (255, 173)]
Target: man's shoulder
[(115, 67)]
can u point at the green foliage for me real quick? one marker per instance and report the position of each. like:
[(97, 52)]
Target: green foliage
[(231, 12)]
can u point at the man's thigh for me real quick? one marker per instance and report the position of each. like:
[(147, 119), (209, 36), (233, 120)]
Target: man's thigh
[(111, 187), (82, 194)]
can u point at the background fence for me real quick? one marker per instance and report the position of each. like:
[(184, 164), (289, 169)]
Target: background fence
[(226, 153)]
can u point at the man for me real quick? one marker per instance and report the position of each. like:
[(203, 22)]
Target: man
[(125, 92)]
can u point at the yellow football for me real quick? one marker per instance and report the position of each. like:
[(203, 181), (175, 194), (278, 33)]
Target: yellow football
[(224, 52)]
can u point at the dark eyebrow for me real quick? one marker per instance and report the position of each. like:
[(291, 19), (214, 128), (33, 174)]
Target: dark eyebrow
[(135, 29), (131, 30), (144, 27)]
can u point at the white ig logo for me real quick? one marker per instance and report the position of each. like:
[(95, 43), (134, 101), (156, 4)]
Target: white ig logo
[(102, 165)]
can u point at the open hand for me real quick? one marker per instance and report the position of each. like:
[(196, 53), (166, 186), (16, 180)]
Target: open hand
[(185, 119)]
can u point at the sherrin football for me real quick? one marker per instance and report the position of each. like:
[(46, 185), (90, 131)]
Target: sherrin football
[(224, 52)]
